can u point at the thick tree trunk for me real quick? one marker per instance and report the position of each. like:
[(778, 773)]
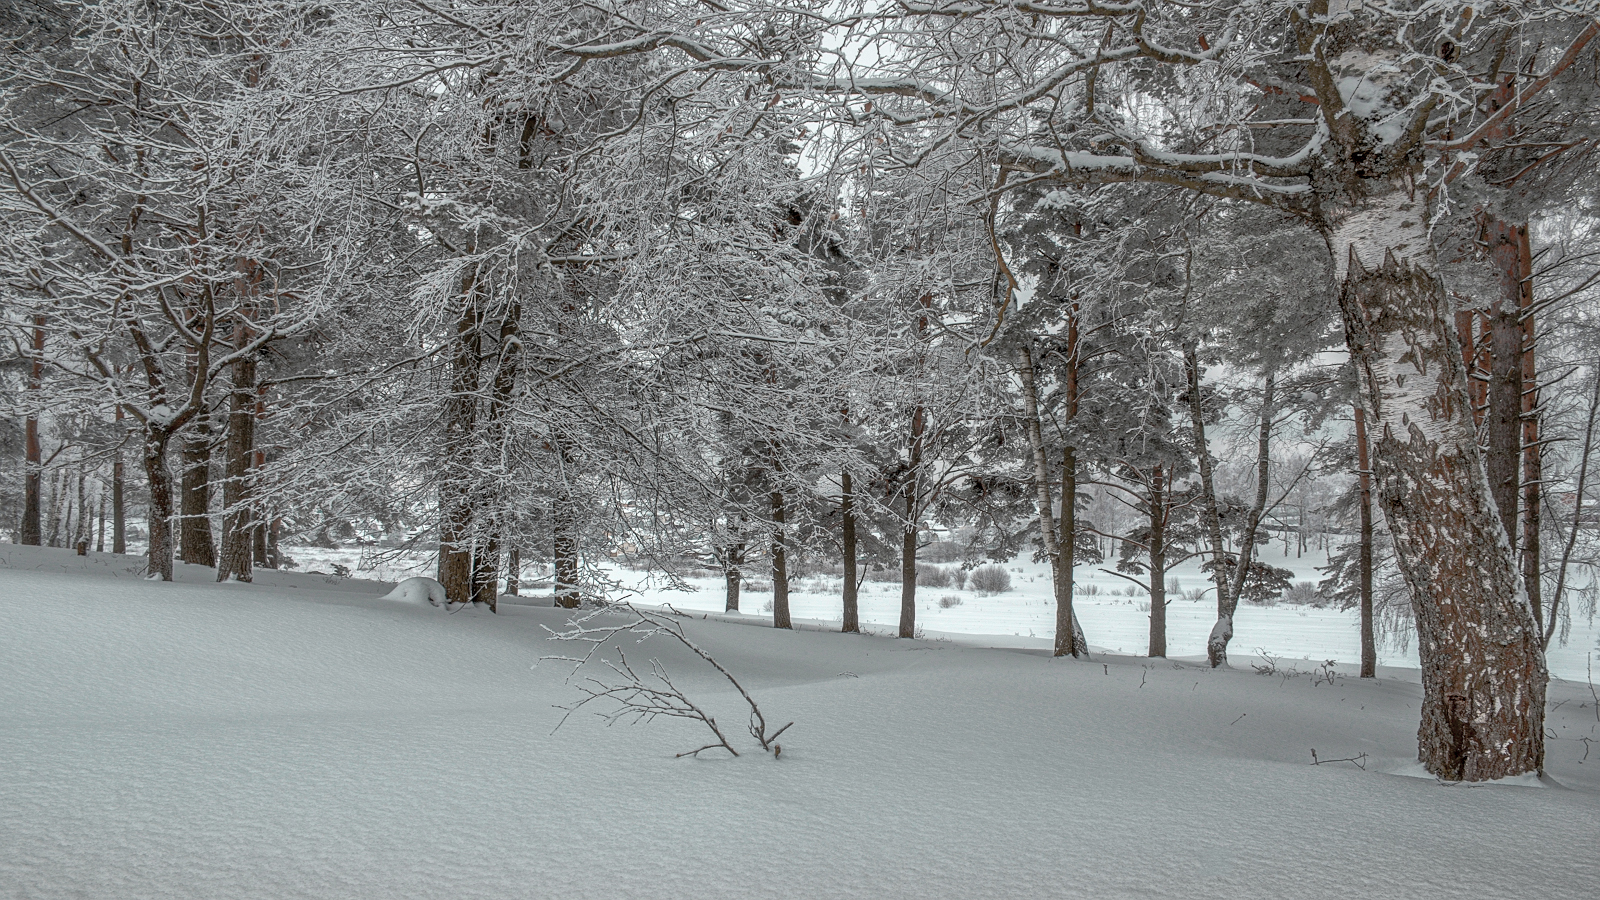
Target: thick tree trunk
[(1483, 672), (564, 552), (780, 566), (1069, 632), (32, 533), (847, 517), (195, 545), (160, 519), (1369, 646), (1158, 563), (119, 509), (239, 517)]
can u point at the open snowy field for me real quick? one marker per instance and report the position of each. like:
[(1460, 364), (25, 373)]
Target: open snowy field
[(300, 737)]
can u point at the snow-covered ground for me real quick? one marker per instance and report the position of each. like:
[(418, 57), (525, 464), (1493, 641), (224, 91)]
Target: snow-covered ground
[(300, 737)]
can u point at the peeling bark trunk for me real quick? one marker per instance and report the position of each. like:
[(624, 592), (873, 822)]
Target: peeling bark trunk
[(847, 515), (1369, 646), (194, 535), (1158, 563), (564, 530), (780, 566), (1483, 672)]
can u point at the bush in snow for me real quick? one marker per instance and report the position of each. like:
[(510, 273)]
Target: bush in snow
[(933, 577), (990, 579), (949, 600)]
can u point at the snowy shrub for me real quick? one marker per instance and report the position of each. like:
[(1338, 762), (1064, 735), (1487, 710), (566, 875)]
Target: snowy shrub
[(1304, 594), (990, 580), (758, 586), (949, 600), (958, 578), (1174, 586), (1086, 590), (767, 607), (884, 574), (933, 577)]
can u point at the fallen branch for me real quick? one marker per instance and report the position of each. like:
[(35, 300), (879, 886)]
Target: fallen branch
[(1360, 759)]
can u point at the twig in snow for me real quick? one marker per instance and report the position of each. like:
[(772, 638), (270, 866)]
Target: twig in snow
[(1242, 715), (639, 699), (1360, 759)]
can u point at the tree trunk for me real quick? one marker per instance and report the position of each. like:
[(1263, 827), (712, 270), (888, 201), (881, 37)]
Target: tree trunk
[(847, 516), (780, 566), (564, 531), (194, 530), (514, 570), (119, 517), (1369, 646), (1208, 492), (1483, 672), (1158, 563), (32, 533), (160, 519), (239, 517), (100, 537), (486, 573), (53, 520), (1222, 631), (733, 574), (1069, 634), (458, 476), (1061, 574), (85, 527)]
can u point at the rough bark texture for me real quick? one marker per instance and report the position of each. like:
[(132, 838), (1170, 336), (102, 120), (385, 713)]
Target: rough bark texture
[(119, 509), (238, 521), (160, 524), (780, 566), (514, 571), (1158, 562), (847, 516), (1069, 640), (1369, 646), (564, 529), (195, 545), (1483, 671)]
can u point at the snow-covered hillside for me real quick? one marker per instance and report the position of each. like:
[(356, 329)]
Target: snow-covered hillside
[(300, 737)]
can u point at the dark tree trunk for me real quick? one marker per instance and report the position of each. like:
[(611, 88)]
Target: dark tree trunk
[(53, 520), (160, 519), (1158, 562), (1483, 672), (239, 518), (733, 574), (458, 475), (1075, 644), (85, 526), (1369, 646), (847, 516), (194, 531), (32, 533), (119, 510), (100, 536), (564, 531), (1069, 634), (780, 566), (908, 563), (263, 540)]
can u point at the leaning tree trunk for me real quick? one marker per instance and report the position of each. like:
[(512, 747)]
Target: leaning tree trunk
[(195, 545), (847, 516), (1483, 672), (239, 516), (1228, 600), (160, 524)]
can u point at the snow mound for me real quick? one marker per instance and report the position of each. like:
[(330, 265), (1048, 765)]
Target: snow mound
[(418, 591)]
